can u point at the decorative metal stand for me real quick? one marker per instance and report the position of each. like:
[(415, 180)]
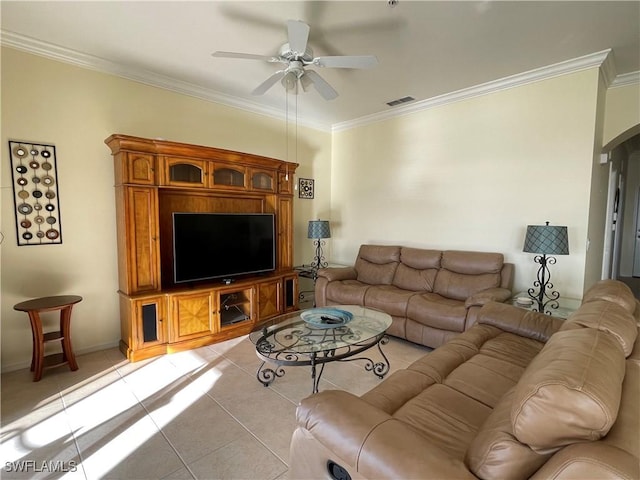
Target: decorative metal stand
[(278, 347), (544, 297), (319, 260)]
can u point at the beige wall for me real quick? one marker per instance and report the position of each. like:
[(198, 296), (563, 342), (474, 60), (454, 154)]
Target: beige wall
[(76, 109), (622, 121), (472, 175), (467, 175), (622, 113), (599, 190)]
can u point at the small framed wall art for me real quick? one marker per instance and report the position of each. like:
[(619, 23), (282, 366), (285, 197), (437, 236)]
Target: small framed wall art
[(35, 193), (305, 187)]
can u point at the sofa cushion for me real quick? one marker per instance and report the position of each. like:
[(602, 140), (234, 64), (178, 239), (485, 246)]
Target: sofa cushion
[(465, 273), (445, 416), (472, 263), (347, 292), (376, 264), (496, 453), (612, 291), (485, 378), (437, 311), (608, 317), (461, 286), (570, 392), (417, 270), (391, 299), (409, 278)]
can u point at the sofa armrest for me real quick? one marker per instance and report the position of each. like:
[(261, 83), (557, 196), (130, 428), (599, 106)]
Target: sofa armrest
[(377, 444), (496, 294), (590, 460), (338, 273), (525, 323)]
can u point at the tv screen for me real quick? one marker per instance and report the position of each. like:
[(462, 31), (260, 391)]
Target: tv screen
[(219, 245)]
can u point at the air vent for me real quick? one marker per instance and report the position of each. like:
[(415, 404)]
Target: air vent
[(400, 101)]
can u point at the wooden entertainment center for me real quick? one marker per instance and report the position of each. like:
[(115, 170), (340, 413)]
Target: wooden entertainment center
[(153, 179)]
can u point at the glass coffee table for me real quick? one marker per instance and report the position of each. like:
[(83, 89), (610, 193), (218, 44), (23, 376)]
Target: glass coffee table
[(318, 336)]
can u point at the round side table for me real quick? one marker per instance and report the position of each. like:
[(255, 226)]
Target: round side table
[(34, 307)]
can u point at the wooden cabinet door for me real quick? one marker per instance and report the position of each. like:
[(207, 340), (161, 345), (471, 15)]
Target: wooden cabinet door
[(149, 321), (192, 315), (285, 232), (228, 177), (263, 180), (285, 183), (269, 299), (141, 232), (184, 172), (140, 169)]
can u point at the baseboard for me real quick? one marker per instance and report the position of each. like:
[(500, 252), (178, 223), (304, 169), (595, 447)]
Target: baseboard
[(82, 351)]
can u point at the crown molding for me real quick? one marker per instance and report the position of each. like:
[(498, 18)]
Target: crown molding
[(603, 60), (73, 57), (626, 79), (562, 68)]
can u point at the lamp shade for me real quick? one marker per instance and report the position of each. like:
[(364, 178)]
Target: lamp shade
[(546, 239), (319, 229)]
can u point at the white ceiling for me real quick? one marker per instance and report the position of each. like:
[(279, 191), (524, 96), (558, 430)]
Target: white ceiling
[(425, 49)]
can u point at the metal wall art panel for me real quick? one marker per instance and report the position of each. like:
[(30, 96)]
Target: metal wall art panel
[(35, 193), (305, 188)]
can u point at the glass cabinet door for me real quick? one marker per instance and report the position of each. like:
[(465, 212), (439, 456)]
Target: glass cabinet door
[(183, 172), (262, 181), (230, 177)]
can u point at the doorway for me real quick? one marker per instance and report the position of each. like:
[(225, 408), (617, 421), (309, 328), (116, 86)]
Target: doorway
[(622, 236)]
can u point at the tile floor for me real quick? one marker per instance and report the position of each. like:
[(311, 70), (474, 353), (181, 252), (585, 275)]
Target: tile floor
[(196, 414)]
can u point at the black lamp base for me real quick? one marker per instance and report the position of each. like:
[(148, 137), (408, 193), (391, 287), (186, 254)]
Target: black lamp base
[(545, 297), (319, 260)]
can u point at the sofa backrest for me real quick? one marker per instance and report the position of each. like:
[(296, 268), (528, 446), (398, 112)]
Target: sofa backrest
[(417, 269), (377, 264), (463, 274), (611, 291)]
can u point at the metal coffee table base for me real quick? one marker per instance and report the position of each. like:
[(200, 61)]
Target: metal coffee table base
[(317, 360)]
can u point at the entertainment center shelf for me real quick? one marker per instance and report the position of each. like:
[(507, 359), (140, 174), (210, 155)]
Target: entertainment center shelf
[(155, 179)]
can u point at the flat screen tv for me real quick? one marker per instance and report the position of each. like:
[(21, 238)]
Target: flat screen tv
[(221, 245)]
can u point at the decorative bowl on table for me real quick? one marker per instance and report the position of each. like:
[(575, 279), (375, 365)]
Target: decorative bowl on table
[(524, 301), (326, 317)]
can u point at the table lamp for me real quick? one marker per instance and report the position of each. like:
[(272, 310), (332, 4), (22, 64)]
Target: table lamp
[(545, 240), (318, 230)]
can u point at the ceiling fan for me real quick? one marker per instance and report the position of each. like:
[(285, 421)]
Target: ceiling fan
[(297, 55)]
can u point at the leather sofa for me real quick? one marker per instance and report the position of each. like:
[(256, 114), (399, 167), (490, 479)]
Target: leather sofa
[(518, 395), (431, 295)]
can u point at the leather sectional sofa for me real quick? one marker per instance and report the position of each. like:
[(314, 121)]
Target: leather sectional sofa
[(518, 395), (431, 295)]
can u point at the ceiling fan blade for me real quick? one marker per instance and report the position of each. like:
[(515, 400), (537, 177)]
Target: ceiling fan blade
[(268, 83), (346, 61), (248, 56), (298, 36), (320, 84)]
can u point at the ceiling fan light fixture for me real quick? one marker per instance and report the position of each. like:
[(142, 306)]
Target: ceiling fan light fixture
[(297, 54), (306, 82), (289, 81)]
